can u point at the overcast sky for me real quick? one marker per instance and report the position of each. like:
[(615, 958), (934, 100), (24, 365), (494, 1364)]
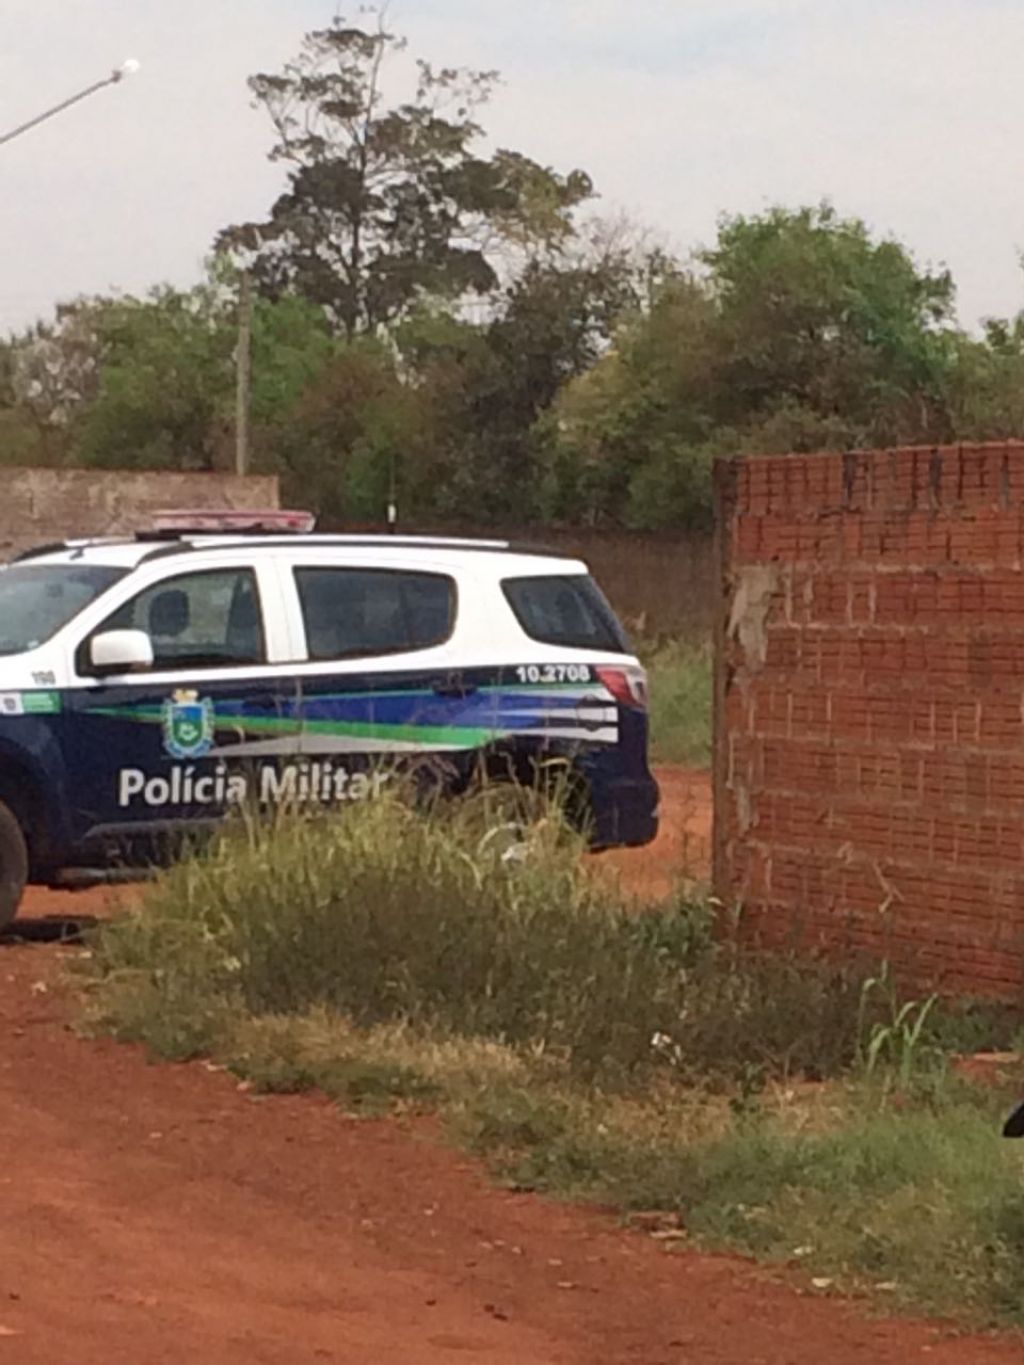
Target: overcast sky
[(908, 113)]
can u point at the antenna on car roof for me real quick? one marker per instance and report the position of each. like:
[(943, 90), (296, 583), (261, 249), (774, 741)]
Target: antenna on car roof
[(392, 498)]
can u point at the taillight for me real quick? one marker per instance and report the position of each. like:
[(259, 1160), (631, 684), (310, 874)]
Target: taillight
[(627, 685)]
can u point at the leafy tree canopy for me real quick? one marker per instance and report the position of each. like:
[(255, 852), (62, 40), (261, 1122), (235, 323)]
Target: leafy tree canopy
[(388, 202)]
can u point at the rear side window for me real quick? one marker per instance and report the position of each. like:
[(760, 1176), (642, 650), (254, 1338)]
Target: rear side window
[(568, 610), (354, 612)]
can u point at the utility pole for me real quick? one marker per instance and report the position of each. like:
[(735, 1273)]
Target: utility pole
[(243, 363), (128, 68)]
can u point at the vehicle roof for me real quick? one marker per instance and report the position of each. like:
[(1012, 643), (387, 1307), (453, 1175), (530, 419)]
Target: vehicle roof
[(131, 552)]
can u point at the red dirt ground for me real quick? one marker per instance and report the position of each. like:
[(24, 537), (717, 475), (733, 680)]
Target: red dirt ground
[(682, 851), (159, 1214)]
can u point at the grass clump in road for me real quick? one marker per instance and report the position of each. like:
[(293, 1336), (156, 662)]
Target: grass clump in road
[(680, 673), (778, 1106)]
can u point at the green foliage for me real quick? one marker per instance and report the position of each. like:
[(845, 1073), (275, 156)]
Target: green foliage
[(919, 1205), (495, 382), (164, 383), (630, 441), (795, 332), (680, 676), (816, 315), (899, 1043), (354, 424), (392, 915), (149, 383), (918, 1201)]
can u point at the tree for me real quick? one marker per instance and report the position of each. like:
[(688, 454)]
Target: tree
[(150, 383), (25, 439), (353, 431), (817, 318), (987, 384), (630, 441), (385, 205), (164, 385), (796, 331), (492, 384), (50, 376)]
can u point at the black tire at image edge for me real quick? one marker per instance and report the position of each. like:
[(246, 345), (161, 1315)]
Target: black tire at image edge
[(13, 865)]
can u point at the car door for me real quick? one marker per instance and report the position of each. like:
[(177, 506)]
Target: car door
[(153, 752), (383, 682)]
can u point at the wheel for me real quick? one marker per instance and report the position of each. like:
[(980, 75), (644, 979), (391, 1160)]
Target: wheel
[(13, 865), (512, 815)]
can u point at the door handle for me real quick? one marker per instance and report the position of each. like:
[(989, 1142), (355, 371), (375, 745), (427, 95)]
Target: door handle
[(454, 685), (266, 703)]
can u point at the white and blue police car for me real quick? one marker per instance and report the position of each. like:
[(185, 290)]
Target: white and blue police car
[(153, 682)]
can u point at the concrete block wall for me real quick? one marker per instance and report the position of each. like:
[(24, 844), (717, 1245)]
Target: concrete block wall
[(42, 505), (870, 707)]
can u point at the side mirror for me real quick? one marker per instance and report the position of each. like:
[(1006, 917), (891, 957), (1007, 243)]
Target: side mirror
[(121, 651)]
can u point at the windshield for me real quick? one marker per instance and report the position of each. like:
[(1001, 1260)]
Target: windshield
[(36, 600)]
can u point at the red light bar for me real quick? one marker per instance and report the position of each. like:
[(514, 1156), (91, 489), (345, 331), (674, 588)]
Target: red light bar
[(209, 522)]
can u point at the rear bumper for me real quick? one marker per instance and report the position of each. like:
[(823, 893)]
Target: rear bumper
[(624, 812)]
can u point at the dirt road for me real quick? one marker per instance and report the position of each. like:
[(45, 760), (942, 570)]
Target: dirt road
[(157, 1214), (682, 853)]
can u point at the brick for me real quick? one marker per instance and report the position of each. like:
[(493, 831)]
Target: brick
[(881, 750)]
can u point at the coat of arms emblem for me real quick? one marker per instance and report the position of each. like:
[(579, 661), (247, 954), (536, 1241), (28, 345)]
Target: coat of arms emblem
[(188, 724)]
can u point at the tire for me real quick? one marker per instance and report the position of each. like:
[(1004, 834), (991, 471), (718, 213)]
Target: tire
[(13, 865), (511, 815)]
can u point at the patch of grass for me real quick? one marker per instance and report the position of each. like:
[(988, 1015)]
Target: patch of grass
[(912, 1197), (920, 1203), (390, 914), (680, 673), (391, 1063), (394, 958), (393, 915)]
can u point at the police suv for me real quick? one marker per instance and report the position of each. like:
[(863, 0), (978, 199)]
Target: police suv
[(152, 683)]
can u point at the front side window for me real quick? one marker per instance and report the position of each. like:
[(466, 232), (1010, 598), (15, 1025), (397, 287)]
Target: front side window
[(37, 600), (350, 613), (198, 620)]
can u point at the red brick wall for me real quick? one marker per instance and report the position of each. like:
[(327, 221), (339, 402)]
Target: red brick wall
[(870, 707), (42, 505)]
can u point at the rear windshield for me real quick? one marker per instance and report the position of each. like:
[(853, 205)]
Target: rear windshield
[(566, 609), (37, 600)]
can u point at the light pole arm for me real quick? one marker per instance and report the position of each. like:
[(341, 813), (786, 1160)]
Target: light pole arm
[(113, 79)]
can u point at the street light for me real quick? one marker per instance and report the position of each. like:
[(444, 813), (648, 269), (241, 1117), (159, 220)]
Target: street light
[(128, 68)]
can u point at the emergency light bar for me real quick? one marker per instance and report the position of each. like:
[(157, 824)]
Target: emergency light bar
[(205, 522)]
